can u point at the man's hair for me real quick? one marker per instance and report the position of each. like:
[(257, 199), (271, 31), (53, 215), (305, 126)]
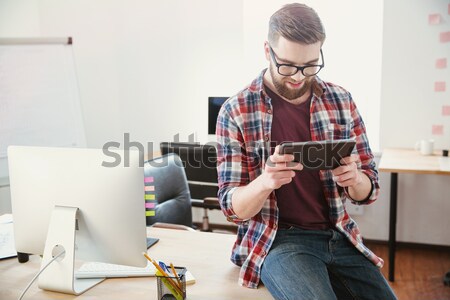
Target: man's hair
[(298, 23)]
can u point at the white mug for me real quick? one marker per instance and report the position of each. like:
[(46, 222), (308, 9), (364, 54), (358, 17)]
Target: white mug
[(425, 147)]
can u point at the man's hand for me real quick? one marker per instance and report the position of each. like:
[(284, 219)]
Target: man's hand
[(348, 174), (279, 170)]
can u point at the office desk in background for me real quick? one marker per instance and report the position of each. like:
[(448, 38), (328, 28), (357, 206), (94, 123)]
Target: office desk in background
[(206, 255), (396, 161)]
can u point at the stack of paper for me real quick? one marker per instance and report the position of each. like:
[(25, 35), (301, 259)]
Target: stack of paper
[(7, 248)]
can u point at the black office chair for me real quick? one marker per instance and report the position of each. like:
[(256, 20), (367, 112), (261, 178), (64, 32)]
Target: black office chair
[(171, 191), (200, 165)]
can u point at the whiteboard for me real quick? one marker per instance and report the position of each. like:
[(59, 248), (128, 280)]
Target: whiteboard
[(39, 98)]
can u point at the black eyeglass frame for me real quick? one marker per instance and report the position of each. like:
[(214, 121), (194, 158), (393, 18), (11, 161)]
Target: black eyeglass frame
[(301, 69)]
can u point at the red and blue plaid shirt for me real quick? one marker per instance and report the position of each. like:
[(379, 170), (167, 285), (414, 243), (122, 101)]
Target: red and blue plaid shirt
[(244, 134)]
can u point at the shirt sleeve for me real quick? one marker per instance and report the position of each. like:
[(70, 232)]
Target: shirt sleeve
[(367, 163), (231, 163)]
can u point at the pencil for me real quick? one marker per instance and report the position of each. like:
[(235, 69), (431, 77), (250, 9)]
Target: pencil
[(176, 275), (173, 283)]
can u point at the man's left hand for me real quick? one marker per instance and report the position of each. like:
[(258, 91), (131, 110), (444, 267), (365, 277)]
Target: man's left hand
[(348, 174)]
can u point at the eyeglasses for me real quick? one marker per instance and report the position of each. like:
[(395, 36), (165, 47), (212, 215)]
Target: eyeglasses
[(290, 70)]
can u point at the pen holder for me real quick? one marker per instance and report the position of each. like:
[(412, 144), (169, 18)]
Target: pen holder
[(169, 288)]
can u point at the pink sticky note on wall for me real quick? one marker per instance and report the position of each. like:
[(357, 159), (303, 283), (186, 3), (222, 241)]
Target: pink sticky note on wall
[(437, 130), (439, 86), (444, 37), (148, 179), (434, 19), (446, 110), (441, 63)]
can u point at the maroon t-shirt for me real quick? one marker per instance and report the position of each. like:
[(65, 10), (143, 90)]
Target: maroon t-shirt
[(302, 202)]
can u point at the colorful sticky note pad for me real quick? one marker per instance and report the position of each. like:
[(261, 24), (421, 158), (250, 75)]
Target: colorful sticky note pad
[(150, 213), (149, 197), (437, 130), (150, 205), (434, 19), (439, 86), (441, 63), (444, 37), (148, 179), (446, 110)]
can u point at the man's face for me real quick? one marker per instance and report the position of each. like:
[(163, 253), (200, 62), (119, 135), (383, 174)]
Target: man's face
[(287, 52)]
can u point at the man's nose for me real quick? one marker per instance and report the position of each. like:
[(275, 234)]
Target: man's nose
[(298, 76)]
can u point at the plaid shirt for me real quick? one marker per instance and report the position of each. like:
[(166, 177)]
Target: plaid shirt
[(244, 133)]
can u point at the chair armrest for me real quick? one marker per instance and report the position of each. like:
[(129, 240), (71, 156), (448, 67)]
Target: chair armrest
[(208, 202), (212, 201)]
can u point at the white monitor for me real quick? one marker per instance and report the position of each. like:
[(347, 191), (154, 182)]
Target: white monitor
[(66, 197)]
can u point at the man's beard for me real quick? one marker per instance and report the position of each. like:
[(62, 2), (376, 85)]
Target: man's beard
[(284, 91)]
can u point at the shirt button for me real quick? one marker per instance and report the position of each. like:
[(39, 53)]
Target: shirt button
[(266, 138), (269, 111), (263, 253)]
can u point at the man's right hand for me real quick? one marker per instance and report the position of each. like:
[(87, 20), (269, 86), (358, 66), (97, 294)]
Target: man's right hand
[(279, 170)]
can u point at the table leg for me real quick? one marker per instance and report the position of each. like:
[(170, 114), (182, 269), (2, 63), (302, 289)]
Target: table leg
[(392, 224)]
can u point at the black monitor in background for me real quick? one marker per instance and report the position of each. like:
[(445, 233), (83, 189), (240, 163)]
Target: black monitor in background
[(214, 105)]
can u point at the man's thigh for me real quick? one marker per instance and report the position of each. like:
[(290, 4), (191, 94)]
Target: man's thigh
[(291, 271), (353, 276)]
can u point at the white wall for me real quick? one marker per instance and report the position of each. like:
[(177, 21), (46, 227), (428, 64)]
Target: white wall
[(147, 68), (17, 19), (409, 107)]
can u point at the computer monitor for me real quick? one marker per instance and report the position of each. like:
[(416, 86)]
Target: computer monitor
[(66, 197), (214, 105)]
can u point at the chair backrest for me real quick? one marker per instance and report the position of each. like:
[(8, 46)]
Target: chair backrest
[(200, 163), (171, 190)]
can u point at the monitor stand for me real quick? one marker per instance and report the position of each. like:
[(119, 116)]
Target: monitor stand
[(59, 275)]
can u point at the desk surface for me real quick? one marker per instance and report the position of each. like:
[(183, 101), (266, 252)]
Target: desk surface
[(206, 255), (410, 161)]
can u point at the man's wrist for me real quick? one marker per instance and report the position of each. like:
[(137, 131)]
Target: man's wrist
[(362, 190)]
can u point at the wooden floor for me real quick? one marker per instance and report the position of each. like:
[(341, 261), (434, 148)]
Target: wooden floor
[(419, 272)]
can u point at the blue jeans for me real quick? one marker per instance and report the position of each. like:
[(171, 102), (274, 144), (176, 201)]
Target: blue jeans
[(320, 264)]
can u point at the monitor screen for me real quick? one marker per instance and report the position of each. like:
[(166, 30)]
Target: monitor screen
[(214, 105), (110, 223)]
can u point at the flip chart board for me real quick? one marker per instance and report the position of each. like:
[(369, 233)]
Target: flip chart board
[(39, 98)]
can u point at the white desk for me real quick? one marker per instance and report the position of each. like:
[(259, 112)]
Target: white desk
[(397, 161), (206, 255)]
